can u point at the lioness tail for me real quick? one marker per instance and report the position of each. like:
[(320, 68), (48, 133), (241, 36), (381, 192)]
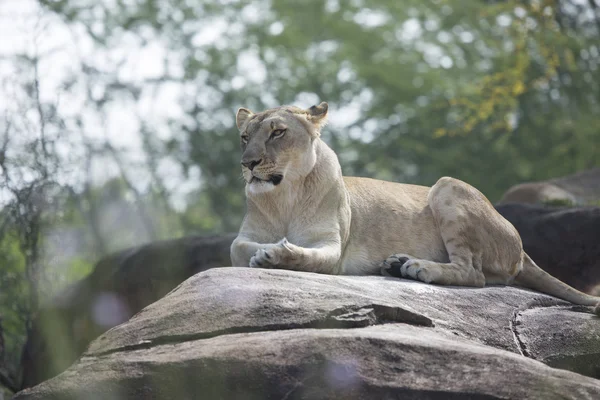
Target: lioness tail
[(533, 277)]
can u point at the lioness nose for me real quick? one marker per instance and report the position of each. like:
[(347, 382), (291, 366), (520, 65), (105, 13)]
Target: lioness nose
[(251, 164)]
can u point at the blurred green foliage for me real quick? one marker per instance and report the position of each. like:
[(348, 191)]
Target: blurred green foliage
[(491, 92), (14, 307)]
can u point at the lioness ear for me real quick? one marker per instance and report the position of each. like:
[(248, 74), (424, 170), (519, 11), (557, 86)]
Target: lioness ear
[(318, 115), (242, 116)]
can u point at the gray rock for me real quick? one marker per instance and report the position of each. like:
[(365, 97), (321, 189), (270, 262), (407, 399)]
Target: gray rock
[(561, 240), (232, 333), (569, 340), (582, 188)]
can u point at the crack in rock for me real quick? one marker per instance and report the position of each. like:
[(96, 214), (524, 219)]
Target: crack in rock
[(541, 302), (541, 331), (361, 316), (346, 317)]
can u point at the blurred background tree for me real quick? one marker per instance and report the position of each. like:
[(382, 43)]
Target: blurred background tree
[(117, 117)]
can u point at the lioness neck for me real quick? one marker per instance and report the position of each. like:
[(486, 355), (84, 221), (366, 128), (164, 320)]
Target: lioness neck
[(302, 188)]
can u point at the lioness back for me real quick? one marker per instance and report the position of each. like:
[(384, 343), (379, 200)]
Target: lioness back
[(387, 216)]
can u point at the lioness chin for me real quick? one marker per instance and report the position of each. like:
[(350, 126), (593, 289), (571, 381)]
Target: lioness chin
[(304, 215)]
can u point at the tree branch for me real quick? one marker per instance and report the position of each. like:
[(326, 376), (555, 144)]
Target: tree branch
[(143, 213)]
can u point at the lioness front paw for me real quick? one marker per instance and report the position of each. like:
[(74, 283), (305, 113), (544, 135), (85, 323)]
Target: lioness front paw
[(270, 256), (262, 259)]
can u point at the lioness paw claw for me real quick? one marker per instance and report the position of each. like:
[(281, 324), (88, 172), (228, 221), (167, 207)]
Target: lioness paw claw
[(419, 271), (404, 266), (284, 243), (262, 259), (392, 266)]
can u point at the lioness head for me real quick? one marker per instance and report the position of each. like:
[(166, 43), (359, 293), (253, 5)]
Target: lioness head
[(277, 144)]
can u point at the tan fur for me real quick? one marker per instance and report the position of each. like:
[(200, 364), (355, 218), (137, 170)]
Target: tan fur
[(318, 221)]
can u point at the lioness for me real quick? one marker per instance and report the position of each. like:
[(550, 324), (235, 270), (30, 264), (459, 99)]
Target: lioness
[(303, 215)]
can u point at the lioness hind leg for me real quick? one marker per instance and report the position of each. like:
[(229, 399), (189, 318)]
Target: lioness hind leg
[(457, 272), (473, 233), (480, 243)]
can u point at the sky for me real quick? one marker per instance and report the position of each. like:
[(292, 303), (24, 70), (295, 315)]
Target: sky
[(63, 49)]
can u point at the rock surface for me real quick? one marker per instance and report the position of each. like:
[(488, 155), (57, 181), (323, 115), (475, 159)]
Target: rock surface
[(582, 188), (232, 333), (561, 240), (120, 286)]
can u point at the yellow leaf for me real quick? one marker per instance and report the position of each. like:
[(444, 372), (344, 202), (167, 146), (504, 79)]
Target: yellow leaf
[(518, 88), (439, 132)]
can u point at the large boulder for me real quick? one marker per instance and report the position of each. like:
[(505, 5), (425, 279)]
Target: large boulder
[(119, 286), (232, 333), (582, 188), (562, 240)]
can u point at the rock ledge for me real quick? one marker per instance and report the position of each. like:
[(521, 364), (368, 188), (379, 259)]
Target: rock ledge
[(231, 333)]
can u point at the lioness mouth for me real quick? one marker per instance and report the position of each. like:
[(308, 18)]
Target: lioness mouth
[(274, 179)]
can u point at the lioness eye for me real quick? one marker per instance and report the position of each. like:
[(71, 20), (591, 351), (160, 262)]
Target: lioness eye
[(278, 133), (244, 139)]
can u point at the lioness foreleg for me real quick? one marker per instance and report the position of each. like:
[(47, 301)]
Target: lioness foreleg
[(322, 258), (242, 249)]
